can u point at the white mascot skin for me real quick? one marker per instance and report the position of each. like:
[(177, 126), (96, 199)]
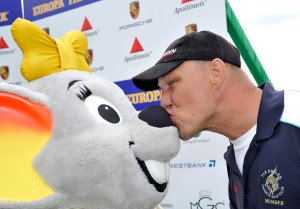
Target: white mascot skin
[(101, 153)]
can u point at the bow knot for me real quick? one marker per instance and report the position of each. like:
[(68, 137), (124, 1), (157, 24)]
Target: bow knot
[(43, 54)]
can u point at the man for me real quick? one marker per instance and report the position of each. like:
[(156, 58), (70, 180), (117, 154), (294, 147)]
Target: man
[(204, 88)]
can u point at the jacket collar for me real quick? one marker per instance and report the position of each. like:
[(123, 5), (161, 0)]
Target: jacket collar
[(270, 111)]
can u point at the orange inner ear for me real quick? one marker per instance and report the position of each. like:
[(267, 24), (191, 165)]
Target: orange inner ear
[(25, 128)]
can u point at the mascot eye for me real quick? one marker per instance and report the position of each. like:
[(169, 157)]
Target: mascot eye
[(103, 110)]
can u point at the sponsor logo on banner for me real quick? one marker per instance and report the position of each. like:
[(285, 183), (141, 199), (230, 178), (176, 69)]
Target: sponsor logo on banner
[(3, 44), (86, 25), (34, 10), (206, 201), (3, 16), (47, 7), (95, 69), (139, 99), (196, 140), (134, 11), (191, 28), (4, 48), (197, 135), (185, 1), (136, 46), (189, 165), (134, 8), (271, 181), (9, 11), (144, 97), (46, 30), (166, 205), (89, 56), (188, 5), (138, 51), (88, 29), (4, 72), (139, 23)]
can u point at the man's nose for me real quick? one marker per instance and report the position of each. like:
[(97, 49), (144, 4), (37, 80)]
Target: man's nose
[(166, 101)]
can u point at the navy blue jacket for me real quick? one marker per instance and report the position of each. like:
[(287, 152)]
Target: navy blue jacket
[(271, 170)]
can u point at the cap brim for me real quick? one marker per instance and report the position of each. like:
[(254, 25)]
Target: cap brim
[(148, 79)]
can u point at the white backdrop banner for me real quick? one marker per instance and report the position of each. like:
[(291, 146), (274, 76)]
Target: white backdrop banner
[(125, 38)]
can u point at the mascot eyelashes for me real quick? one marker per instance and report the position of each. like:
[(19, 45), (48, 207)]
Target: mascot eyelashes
[(72, 140)]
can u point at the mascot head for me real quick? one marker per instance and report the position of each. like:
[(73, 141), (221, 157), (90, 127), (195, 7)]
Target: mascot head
[(70, 139)]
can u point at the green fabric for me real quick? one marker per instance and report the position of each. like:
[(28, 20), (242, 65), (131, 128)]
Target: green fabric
[(241, 41)]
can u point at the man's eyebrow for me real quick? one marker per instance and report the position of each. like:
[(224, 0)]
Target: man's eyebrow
[(72, 83)]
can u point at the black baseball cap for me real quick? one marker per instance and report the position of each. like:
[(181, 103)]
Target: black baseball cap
[(203, 45)]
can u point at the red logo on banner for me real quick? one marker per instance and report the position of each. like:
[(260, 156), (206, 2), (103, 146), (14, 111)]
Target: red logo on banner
[(185, 1), (3, 44), (86, 25), (136, 47)]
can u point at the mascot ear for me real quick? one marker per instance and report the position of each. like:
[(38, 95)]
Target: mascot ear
[(25, 127)]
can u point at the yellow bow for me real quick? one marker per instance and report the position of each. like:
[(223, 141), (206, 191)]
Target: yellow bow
[(43, 55)]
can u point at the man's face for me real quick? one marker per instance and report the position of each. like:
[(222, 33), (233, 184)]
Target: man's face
[(187, 96)]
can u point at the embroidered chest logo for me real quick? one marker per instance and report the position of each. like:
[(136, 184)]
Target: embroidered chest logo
[(270, 183)]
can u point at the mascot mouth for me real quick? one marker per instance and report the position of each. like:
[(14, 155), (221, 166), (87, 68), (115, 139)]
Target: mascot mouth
[(156, 172)]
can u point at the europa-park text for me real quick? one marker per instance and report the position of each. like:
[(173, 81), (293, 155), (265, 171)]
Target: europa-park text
[(51, 6), (145, 97), (3, 16)]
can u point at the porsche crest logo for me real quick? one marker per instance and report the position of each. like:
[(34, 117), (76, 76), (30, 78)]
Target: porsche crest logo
[(47, 30), (191, 28), (134, 9), (4, 72), (89, 56)]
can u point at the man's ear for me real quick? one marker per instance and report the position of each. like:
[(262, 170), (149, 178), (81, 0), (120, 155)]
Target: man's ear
[(216, 72)]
